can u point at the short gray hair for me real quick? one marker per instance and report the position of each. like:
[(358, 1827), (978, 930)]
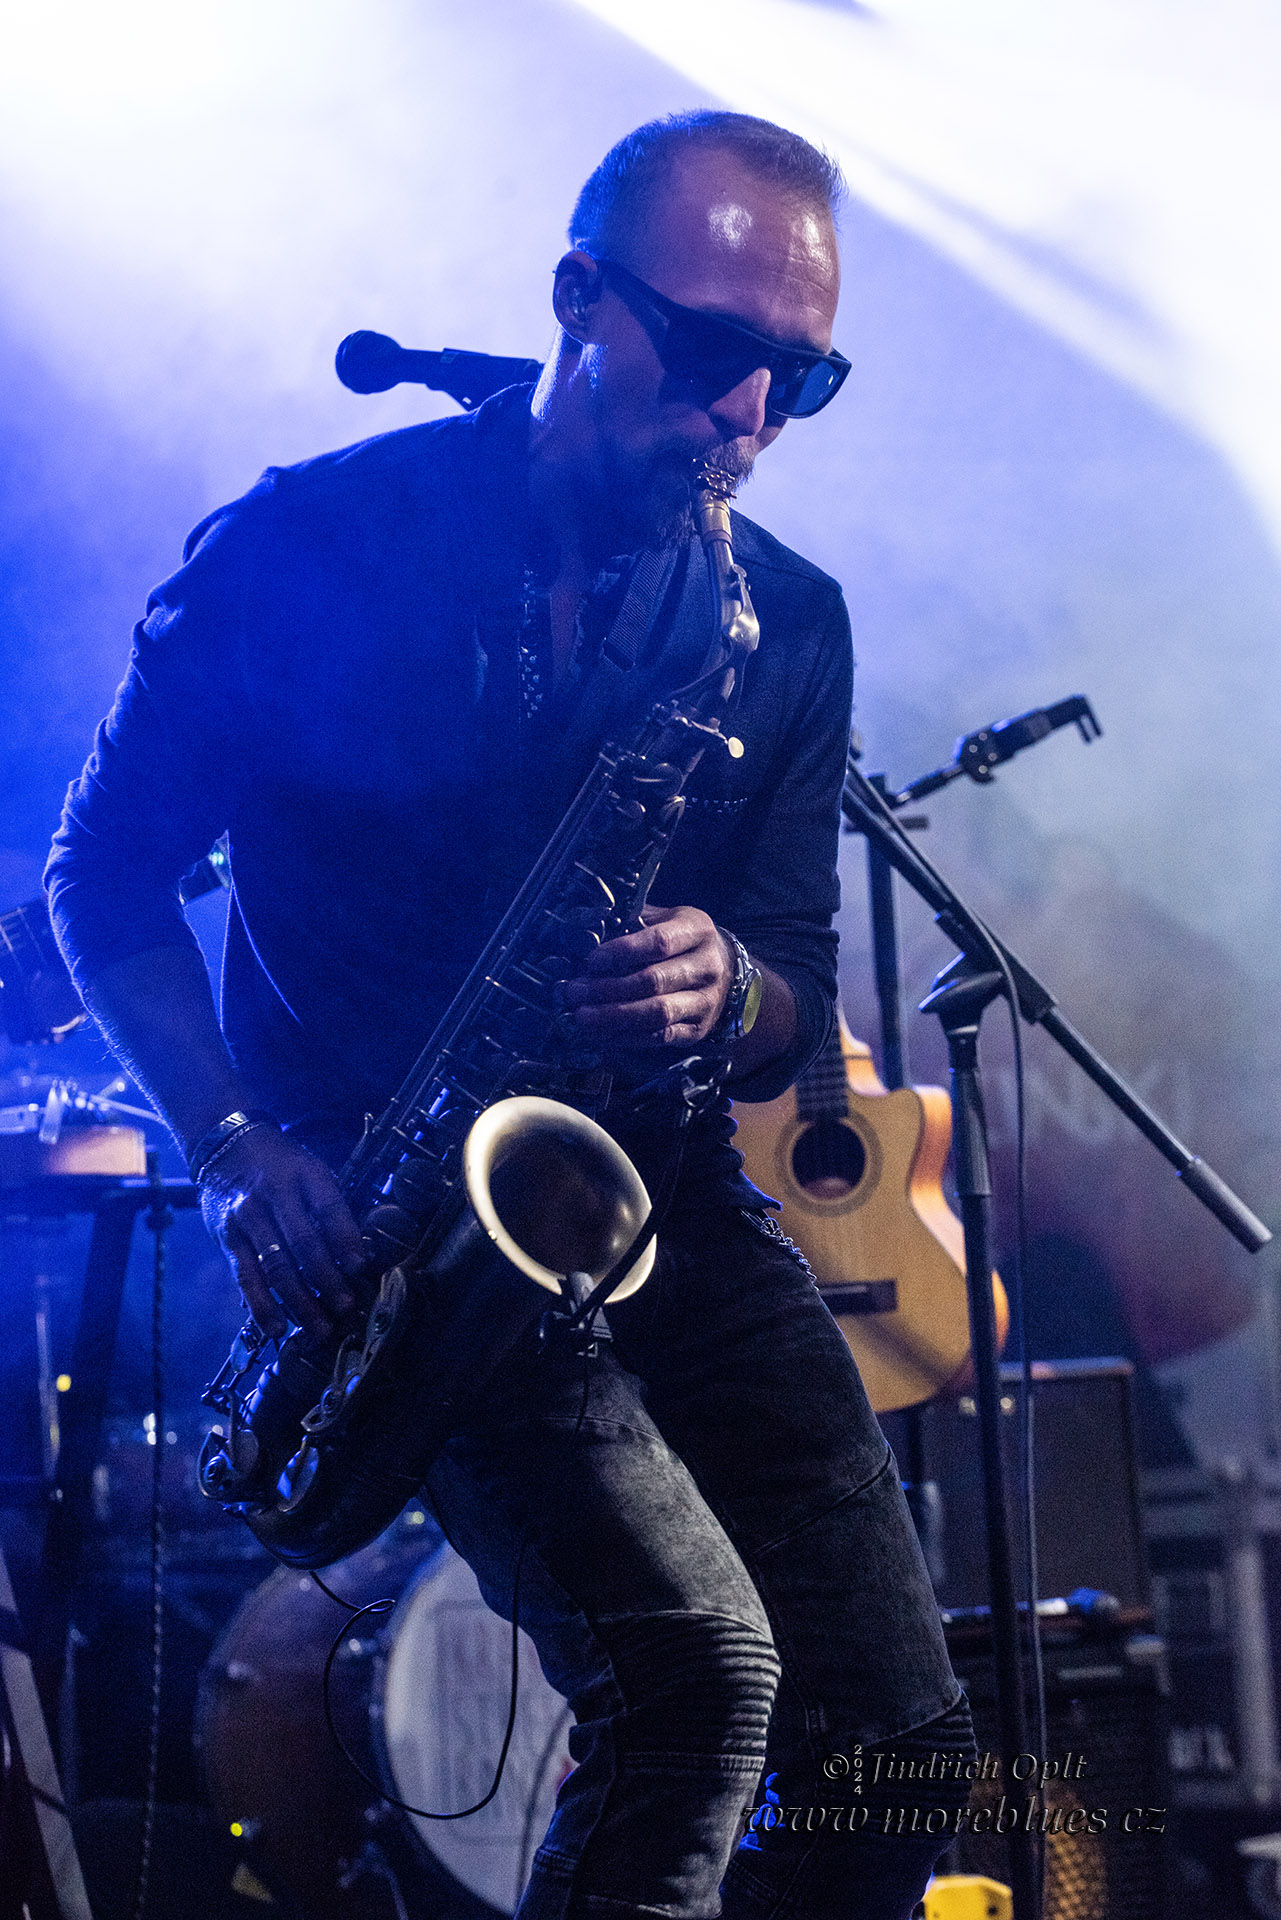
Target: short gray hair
[(616, 196)]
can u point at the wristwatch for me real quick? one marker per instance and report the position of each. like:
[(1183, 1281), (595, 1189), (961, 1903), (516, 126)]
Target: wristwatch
[(738, 1015)]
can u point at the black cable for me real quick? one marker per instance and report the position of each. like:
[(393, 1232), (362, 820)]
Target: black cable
[(159, 1219), (659, 1206), (385, 1606), (335, 1597)]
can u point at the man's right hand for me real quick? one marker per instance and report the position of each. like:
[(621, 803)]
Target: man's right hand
[(273, 1207), (277, 1212)]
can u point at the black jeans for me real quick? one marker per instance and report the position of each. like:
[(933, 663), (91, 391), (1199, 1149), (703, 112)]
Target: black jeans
[(721, 1577)]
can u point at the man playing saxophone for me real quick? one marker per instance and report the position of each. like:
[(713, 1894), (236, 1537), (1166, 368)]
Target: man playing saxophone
[(382, 674)]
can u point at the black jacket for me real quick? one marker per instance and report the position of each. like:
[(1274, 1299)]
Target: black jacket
[(331, 680)]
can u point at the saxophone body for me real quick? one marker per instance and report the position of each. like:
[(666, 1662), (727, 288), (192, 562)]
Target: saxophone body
[(485, 1186)]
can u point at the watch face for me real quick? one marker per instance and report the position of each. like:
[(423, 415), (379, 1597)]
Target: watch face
[(751, 1002)]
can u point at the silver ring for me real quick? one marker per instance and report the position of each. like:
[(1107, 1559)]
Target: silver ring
[(267, 1252)]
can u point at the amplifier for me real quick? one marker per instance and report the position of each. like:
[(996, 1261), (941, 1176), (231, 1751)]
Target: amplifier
[(1099, 1792), (1088, 1528), (1215, 1544)]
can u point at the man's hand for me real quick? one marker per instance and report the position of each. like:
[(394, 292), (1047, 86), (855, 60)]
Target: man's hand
[(662, 987), (278, 1214)]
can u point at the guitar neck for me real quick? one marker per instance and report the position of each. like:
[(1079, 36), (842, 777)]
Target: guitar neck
[(822, 1091), (27, 945)]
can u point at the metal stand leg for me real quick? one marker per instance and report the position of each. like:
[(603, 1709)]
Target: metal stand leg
[(959, 1005), (56, 1886), (1253, 1679), (922, 1492), (81, 1429), (82, 1410)]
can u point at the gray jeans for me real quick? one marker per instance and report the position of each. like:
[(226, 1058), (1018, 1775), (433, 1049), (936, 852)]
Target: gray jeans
[(721, 1577)]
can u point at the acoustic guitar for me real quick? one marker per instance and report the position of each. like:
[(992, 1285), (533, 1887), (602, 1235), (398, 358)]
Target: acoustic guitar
[(857, 1171)]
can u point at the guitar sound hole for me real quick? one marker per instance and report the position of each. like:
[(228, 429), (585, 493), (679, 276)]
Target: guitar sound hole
[(828, 1160)]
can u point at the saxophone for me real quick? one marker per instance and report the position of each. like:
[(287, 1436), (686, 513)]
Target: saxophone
[(484, 1186)]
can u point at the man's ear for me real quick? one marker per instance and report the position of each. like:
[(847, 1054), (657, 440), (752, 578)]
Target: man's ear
[(575, 291)]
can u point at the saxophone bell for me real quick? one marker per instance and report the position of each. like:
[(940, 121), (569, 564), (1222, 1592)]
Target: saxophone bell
[(555, 1194)]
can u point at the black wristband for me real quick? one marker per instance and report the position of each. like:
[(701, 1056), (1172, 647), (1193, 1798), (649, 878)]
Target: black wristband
[(211, 1144)]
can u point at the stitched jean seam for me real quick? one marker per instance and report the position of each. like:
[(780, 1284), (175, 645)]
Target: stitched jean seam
[(821, 1513)]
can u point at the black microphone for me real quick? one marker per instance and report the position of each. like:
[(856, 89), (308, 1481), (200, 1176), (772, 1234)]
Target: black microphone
[(373, 362), (979, 752)]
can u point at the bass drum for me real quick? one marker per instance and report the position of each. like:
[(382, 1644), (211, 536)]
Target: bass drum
[(421, 1700)]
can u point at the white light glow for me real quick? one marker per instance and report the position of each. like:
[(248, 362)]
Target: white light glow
[(1111, 170), (202, 200)]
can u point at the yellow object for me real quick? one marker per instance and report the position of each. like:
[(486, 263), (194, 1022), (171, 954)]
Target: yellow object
[(63, 1383), (736, 748), (967, 1896)]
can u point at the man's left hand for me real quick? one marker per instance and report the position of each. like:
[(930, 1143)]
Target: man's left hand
[(664, 986)]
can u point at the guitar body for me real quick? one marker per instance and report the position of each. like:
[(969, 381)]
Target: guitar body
[(858, 1174)]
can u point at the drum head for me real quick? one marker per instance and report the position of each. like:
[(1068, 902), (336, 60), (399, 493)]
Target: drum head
[(444, 1703)]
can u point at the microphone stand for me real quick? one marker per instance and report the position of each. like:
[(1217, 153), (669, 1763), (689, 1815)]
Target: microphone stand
[(985, 969), (895, 1072), (977, 755), (974, 1190)]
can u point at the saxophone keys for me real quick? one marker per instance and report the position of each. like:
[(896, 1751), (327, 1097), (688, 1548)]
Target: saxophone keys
[(296, 1479), (321, 1417), (390, 1227), (662, 781), (349, 1365), (414, 1184), (384, 1316), (226, 1465)]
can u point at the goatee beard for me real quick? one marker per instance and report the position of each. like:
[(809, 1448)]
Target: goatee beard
[(666, 518)]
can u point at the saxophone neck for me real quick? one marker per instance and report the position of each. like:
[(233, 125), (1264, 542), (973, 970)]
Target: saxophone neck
[(712, 493), (735, 618)]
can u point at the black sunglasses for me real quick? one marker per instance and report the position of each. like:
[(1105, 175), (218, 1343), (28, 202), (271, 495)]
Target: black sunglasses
[(714, 356)]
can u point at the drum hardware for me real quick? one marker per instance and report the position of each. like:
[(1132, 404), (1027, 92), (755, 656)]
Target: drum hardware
[(82, 1407), (93, 1473), (36, 1822), (67, 1103), (421, 1703)]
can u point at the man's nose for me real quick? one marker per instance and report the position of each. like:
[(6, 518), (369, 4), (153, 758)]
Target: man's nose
[(740, 414)]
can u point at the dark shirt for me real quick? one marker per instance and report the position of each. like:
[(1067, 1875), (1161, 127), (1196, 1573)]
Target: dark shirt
[(334, 680)]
